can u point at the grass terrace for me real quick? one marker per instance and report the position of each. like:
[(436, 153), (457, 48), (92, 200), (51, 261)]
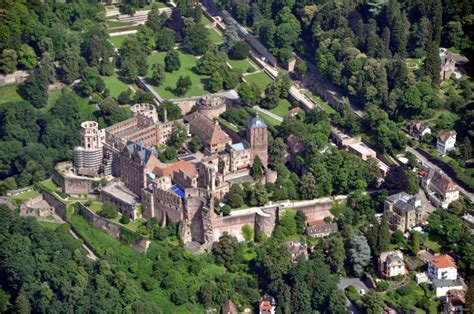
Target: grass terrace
[(25, 196), (242, 65), (118, 40), (112, 24), (282, 109), (9, 94), (215, 35), (115, 84), (205, 20), (260, 78), (188, 62)]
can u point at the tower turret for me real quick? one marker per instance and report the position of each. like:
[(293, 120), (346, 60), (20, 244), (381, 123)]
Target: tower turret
[(257, 137)]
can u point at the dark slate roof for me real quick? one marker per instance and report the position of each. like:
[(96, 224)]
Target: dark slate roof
[(139, 148), (256, 122)]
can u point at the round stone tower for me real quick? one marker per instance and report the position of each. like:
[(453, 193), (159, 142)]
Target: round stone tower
[(257, 137)]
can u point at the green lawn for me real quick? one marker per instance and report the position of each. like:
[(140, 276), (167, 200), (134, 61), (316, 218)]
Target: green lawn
[(268, 120), (431, 244), (25, 196), (111, 24), (282, 109), (188, 62), (205, 20), (8, 94), (216, 36), (49, 225), (261, 79), (242, 65), (49, 184), (118, 40), (115, 85)]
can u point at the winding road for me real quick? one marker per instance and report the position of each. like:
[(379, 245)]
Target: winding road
[(426, 162)]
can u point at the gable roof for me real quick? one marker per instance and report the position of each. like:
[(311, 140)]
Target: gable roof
[(167, 170), (442, 182), (419, 126), (442, 261), (208, 130), (140, 150), (444, 136)]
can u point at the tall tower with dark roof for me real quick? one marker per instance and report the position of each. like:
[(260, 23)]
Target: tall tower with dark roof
[(257, 137)]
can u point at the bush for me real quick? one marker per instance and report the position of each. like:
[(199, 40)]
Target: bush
[(109, 211), (107, 69), (251, 69), (240, 51), (125, 219), (352, 294)]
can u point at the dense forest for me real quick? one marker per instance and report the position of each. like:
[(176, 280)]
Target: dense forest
[(365, 48)]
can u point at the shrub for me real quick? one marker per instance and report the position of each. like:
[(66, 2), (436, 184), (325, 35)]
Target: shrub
[(352, 294), (240, 51), (107, 69), (109, 211), (251, 69), (125, 219)]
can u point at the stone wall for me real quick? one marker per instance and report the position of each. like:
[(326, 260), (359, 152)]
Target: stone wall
[(232, 225), (265, 218), (71, 184), (59, 207), (99, 222)]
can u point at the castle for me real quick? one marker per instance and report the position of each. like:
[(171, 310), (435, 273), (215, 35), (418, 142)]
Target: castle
[(183, 191)]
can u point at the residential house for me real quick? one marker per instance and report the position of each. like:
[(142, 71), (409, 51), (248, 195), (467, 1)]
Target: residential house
[(403, 211), (319, 229), (418, 129), (443, 274), (228, 307), (469, 219), (450, 63), (267, 305), (391, 264), (297, 249), (440, 189), (445, 142), (454, 301)]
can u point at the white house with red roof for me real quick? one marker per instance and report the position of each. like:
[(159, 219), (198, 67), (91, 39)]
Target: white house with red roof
[(442, 267), (266, 305), (443, 273), (445, 142)]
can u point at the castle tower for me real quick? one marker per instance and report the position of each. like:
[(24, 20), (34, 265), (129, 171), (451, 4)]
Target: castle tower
[(88, 156), (257, 137), (91, 136)]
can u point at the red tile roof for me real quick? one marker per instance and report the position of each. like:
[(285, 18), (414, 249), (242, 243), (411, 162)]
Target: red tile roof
[(167, 169), (442, 261)]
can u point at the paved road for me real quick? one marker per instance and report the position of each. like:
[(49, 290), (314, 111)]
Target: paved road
[(269, 113), (431, 165), (356, 282)]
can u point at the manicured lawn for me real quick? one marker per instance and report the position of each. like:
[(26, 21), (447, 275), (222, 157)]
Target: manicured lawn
[(282, 108), (111, 24), (268, 120), (53, 96), (431, 244), (242, 65), (115, 85), (118, 40), (261, 79), (188, 62), (49, 184), (205, 20), (216, 36), (8, 94), (96, 207), (25, 196)]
